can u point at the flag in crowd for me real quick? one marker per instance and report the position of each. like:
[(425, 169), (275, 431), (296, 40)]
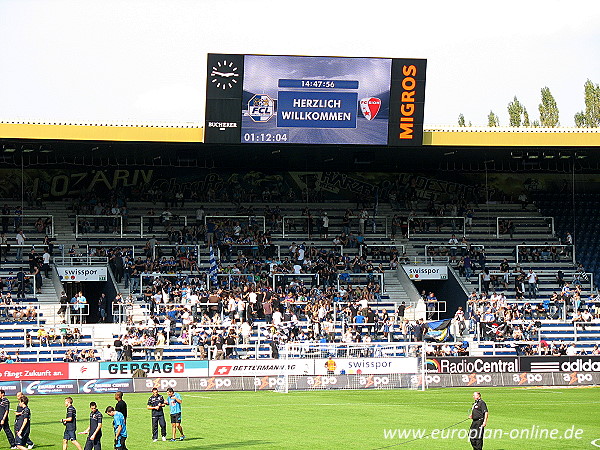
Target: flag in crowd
[(213, 268), (438, 330)]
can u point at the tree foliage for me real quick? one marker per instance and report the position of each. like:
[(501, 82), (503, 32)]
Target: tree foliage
[(548, 109), (461, 120), (590, 117), (515, 111), (526, 122), (493, 120)]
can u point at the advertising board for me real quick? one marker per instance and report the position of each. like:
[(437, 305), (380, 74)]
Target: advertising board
[(279, 99)]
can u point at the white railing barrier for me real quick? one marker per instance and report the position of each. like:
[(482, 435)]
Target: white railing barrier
[(547, 221)]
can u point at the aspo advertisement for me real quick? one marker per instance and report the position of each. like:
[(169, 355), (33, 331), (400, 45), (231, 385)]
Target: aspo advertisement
[(367, 366), (302, 382), (82, 273), (162, 384), (171, 369), (382, 381), (510, 379), (417, 273)]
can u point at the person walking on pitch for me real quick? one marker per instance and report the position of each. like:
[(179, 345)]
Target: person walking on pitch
[(156, 402), (119, 426), (70, 423), (94, 431), (175, 407), (23, 424)]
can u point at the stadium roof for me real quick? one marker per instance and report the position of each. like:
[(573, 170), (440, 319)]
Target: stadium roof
[(194, 133)]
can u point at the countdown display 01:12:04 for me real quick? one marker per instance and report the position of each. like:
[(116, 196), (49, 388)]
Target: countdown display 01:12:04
[(265, 137)]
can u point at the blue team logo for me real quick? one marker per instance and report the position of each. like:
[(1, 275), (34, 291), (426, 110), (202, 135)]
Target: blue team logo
[(261, 108)]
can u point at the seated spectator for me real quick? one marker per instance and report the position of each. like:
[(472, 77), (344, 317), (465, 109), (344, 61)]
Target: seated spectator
[(42, 336)]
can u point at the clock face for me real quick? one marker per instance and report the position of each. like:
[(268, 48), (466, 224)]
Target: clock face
[(224, 74)]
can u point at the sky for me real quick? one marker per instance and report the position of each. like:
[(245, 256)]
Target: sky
[(144, 61)]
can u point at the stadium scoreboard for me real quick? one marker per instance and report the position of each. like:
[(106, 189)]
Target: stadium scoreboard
[(261, 99)]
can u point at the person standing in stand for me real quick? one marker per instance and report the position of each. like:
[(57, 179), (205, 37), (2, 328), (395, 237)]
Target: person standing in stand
[(156, 402)]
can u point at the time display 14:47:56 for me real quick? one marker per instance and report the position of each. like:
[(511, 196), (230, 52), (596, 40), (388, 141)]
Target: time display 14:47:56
[(265, 137)]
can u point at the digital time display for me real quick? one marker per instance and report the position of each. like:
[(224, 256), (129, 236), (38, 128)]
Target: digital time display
[(314, 100), (319, 84)]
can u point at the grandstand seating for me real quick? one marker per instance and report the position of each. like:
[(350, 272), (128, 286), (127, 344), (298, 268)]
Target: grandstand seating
[(530, 227)]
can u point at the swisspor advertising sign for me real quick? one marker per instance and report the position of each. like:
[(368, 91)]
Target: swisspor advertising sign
[(258, 99)]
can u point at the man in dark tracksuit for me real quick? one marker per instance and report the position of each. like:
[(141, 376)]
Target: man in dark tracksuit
[(156, 403), (479, 415), (4, 422)]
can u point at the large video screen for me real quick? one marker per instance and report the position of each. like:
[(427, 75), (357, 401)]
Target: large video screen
[(257, 99)]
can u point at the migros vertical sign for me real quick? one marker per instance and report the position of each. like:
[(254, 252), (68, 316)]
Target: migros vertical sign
[(407, 102)]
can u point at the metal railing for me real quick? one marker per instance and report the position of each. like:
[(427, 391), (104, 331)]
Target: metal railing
[(248, 220), (446, 258), (147, 223), (547, 221), (19, 221), (312, 225), (80, 260), (545, 253), (361, 279), (13, 285), (89, 224), (441, 221), (366, 249), (572, 275), (313, 278)]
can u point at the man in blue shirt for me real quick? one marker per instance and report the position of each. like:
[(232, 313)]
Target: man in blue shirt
[(119, 426), (175, 407)]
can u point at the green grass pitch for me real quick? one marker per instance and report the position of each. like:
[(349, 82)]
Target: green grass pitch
[(338, 419)]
